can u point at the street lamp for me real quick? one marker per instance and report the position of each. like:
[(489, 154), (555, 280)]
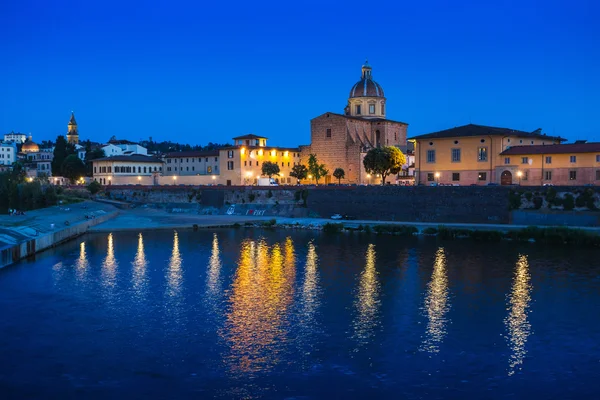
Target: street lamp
[(437, 177), (369, 178), (174, 179), (519, 174), (139, 178)]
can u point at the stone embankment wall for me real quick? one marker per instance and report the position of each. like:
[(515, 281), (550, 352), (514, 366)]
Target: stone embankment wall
[(29, 247)]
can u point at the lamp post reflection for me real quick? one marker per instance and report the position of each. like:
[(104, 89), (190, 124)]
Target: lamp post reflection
[(174, 273), (214, 269), (139, 266), (109, 265), (436, 305), (82, 262), (367, 301), (517, 323)]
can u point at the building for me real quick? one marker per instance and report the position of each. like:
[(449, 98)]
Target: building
[(116, 147), (127, 170), (30, 146), (15, 137), (72, 130), (341, 141), (8, 153), (39, 163), (189, 163), (470, 154), (571, 164), (241, 164)]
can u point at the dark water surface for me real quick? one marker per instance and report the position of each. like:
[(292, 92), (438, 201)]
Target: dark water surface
[(278, 314)]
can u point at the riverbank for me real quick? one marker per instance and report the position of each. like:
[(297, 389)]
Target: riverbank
[(22, 236)]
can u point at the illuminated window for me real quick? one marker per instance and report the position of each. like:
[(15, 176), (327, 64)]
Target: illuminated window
[(482, 176), (229, 154), (482, 154), (230, 165), (572, 175), (209, 169), (430, 177)]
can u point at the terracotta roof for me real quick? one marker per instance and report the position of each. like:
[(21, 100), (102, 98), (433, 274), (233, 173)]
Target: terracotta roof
[(481, 130), (554, 149), (131, 158), (250, 136), (211, 153), (363, 119)]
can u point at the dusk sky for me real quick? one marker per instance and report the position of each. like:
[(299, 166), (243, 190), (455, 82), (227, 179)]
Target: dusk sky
[(198, 71)]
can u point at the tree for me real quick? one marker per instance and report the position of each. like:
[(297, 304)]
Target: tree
[(94, 187), (384, 161), (62, 150), (340, 174), (92, 154), (72, 168), (270, 168), (299, 172), (315, 169)]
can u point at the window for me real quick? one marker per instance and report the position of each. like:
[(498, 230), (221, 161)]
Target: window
[(229, 154), (598, 174), (94, 169), (186, 168), (597, 157), (456, 176), (548, 160), (206, 159), (209, 169), (193, 169), (139, 170), (525, 175), (371, 108), (257, 163), (524, 160), (245, 163), (168, 161), (216, 158), (144, 169), (430, 156), (482, 154), (430, 177), (507, 160), (358, 109), (187, 160), (328, 132), (548, 175), (482, 176), (175, 168), (230, 165), (455, 155), (573, 159), (572, 175), (382, 108)]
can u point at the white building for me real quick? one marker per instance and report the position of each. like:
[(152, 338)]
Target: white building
[(80, 152), (127, 147), (15, 137), (8, 153), (127, 170), (111, 150)]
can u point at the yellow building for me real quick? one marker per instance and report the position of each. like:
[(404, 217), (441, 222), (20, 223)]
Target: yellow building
[(571, 164), (241, 164), (471, 154)]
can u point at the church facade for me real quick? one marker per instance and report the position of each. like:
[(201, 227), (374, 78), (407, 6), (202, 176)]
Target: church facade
[(342, 140)]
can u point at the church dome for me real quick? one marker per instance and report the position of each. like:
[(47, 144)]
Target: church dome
[(30, 146), (366, 87)]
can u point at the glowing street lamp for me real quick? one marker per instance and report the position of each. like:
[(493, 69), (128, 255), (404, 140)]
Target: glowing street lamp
[(369, 178), (519, 174), (437, 177), (139, 178)]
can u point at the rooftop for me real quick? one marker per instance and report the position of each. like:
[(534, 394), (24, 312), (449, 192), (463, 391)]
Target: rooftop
[(120, 142), (249, 136), (363, 119), (482, 130), (210, 153), (554, 149), (131, 158)]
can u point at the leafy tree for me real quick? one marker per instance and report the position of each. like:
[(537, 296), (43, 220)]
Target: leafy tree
[(315, 169), (72, 168), (94, 187), (340, 174), (62, 150), (299, 172), (92, 154), (270, 168), (385, 161)]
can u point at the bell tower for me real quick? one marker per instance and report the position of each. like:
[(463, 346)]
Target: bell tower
[(72, 133)]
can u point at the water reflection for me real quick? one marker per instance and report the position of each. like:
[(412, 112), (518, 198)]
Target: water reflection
[(109, 265), (174, 275), (82, 263), (139, 266), (367, 301), (261, 294), (214, 268), (436, 305), (517, 323), (310, 300)]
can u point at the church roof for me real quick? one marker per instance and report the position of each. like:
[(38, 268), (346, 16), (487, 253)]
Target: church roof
[(366, 87), (72, 120), (482, 130)]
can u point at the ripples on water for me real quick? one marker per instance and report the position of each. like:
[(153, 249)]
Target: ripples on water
[(243, 310)]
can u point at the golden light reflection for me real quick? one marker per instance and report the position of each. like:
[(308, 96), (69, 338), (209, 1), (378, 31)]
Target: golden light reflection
[(82, 262), (139, 265), (517, 323), (109, 265), (262, 292), (367, 302), (214, 268), (310, 289), (174, 276), (436, 305)]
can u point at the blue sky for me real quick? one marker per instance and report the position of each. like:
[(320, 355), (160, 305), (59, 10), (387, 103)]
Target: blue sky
[(207, 71)]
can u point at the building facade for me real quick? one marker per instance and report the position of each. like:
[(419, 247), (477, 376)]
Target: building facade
[(39, 163), (72, 130), (470, 154), (116, 147), (189, 163), (127, 170), (341, 141), (241, 164), (19, 138), (8, 153), (574, 164)]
